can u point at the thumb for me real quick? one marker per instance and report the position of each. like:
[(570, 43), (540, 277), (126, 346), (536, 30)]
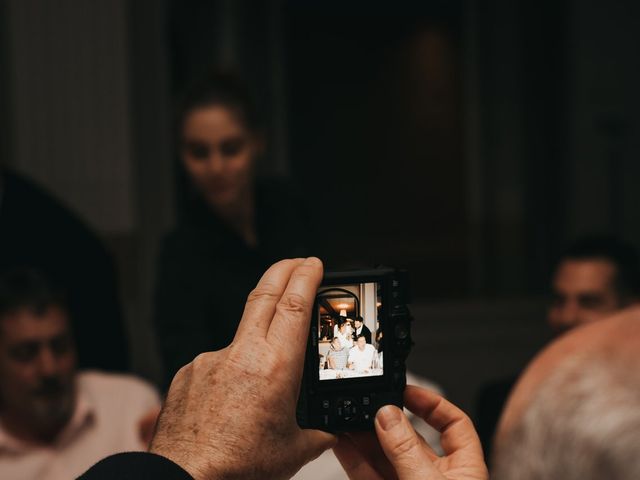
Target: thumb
[(403, 447)]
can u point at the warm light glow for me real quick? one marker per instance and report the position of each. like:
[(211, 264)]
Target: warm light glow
[(343, 306), (343, 313), (379, 304)]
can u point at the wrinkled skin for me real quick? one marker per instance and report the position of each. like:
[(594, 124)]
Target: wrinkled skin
[(231, 413), (397, 451)]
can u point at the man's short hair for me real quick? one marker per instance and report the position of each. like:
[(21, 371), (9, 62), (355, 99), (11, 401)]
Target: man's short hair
[(621, 254), (361, 336), (28, 288), (359, 319), (583, 423)]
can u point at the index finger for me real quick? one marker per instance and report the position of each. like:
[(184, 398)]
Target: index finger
[(261, 302), (290, 325), (455, 426)]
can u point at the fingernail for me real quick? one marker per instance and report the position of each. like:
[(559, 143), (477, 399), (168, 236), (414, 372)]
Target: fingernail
[(388, 417)]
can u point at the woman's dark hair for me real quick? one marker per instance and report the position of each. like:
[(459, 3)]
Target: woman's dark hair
[(223, 89)]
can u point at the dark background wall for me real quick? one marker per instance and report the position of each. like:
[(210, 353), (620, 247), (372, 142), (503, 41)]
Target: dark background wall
[(377, 140), (467, 141)]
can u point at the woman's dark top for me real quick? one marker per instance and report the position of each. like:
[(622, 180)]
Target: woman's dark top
[(206, 271)]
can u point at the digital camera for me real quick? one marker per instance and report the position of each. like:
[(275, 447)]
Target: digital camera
[(359, 339)]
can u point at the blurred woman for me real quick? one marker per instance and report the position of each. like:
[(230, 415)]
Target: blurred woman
[(231, 225)]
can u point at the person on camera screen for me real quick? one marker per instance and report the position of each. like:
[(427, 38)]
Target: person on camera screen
[(361, 356), (337, 356)]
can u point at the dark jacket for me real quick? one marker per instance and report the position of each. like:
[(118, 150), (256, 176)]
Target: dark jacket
[(365, 331)]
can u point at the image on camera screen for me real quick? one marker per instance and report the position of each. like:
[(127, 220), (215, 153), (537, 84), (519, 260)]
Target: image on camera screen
[(350, 343)]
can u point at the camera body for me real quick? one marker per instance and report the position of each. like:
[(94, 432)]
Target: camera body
[(359, 339)]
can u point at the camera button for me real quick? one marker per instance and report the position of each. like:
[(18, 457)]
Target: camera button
[(347, 409), (326, 404), (325, 420), (366, 401), (350, 413)]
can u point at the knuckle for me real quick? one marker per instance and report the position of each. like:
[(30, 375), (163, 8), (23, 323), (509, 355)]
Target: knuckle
[(183, 372), (181, 375), (292, 303), (406, 446), (202, 361), (264, 292), (270, 365)]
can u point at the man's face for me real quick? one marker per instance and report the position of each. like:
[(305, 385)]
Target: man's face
[(583, 292), (361, 343), (37, 366), (358, 324)]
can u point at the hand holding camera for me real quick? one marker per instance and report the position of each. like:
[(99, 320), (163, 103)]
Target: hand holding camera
[(246, 417), (231, 413), (399, 452)]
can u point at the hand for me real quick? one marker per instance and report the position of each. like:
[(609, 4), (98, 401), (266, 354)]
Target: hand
[(399, 452), (231, 413)]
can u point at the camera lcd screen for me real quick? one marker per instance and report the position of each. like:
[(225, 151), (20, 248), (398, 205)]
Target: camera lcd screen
[(350, 343)]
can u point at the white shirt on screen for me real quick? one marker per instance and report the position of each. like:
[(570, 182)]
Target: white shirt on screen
[(362, 359)]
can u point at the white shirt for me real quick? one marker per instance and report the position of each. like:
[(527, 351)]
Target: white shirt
[(362, 359), (105, 421)]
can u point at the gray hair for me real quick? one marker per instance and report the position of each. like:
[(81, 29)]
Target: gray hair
[(583, 424)]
